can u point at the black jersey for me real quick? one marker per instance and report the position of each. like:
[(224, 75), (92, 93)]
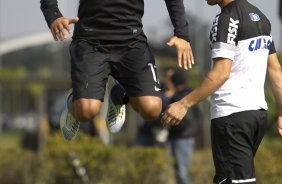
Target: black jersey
[(115, 20), (242, 33)]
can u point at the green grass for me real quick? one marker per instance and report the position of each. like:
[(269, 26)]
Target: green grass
[(10, 139)]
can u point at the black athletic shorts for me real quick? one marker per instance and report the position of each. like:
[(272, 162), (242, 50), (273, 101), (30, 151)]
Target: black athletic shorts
[(133, 65), (235, 140)]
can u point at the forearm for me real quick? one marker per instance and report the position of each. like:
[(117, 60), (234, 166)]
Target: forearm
[(215, 78), (275, 78), (177, 15), (277, 92), (50, 10)]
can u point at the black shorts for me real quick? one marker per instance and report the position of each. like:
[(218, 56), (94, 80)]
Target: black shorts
[(133, 65), (235, 140)]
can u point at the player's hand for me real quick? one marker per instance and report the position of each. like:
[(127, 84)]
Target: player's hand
[(280, 125), (60, 27), (184, 52), (174, 113)]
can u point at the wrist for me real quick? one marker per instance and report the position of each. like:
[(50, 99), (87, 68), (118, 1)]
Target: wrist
[(186, 103)]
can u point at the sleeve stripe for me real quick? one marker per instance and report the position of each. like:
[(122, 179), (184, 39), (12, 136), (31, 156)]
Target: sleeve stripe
[(223, 53), (225, 46)]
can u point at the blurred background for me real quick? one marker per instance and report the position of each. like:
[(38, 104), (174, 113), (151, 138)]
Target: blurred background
[(35, 77)]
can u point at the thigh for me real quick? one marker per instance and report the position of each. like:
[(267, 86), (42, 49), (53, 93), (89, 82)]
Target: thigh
[(89, 69), (235, 139), (136, 71)]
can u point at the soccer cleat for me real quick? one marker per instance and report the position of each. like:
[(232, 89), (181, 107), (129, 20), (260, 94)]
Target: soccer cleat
[(68, 124), (116, 112)]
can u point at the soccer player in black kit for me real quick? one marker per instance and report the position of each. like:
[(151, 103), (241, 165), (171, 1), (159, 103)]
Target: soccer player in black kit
[(243, 53), (108, 40)]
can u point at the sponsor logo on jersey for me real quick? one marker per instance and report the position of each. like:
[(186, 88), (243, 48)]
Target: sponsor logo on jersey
[(254, 17), (214, 29), (259, 43), (232, 31)]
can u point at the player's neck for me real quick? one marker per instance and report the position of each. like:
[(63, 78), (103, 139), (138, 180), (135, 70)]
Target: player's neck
[(224, 3)]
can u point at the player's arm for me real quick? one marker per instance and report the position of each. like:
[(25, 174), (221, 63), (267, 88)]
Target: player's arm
[(181, 35), (58, 24), (274, 74), (215, 78)]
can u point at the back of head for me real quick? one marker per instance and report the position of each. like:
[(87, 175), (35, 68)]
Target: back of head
[(179, 78)]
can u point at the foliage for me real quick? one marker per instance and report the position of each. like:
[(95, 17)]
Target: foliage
[(18, 166), (13, 73), (201, 169), (268, 162), (36, 88), (103, 164), (87, 160), (10, 139)]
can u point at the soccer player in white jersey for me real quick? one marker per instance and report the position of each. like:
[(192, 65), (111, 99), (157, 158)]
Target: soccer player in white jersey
[(243, 53)]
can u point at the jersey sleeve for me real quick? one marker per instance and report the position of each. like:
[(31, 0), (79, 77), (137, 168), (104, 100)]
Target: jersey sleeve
[(272, 49), (223, 36), (50, 10), (176, 12)]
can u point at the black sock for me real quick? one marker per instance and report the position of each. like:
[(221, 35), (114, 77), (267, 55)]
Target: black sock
[(118, 95)]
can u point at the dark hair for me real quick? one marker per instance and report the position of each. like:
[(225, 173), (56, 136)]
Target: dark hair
[(179, 77)]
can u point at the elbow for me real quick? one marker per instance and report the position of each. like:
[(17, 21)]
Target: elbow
[(224, 77), (222, 69)]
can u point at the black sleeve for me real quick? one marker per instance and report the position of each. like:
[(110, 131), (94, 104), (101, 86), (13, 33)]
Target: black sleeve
[(221, 29), (272, 49), (177, 15), (50, 10)]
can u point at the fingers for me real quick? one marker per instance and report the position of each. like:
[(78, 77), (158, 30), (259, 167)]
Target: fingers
[(179, 57), (188, 59), (57, 30), (66, 24), (185, 59), (174, 113), (54, 32), (184, 52), (170, 118), (60, 28), (66, 28), (190, 56), (73, 21), (61, 33)]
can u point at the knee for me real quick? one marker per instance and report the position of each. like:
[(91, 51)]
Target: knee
[(85, 110), (83, 114), (151, 110)]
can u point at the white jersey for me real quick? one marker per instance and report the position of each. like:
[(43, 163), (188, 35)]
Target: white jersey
[(241, 33)]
